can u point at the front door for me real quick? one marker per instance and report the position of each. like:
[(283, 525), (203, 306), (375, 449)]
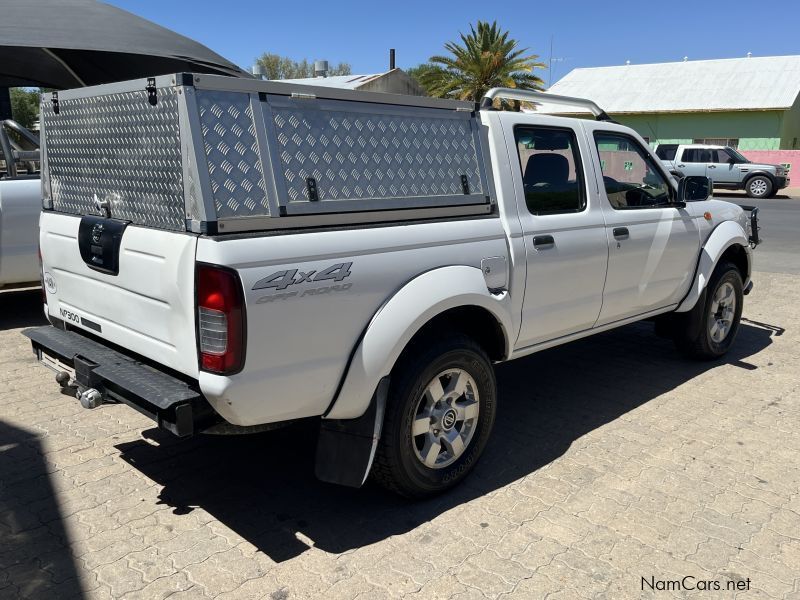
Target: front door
[(724, 168), (652, 246), (565, 241)]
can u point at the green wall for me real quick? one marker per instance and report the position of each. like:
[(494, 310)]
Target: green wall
[(756, 130), (790, 130)]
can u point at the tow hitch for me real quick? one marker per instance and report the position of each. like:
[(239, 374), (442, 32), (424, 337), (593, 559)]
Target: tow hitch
[(88, 397)]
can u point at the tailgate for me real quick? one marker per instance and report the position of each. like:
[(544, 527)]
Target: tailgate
[(148, 307)]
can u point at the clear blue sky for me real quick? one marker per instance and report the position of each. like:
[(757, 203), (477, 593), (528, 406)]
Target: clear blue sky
[(586, 34)]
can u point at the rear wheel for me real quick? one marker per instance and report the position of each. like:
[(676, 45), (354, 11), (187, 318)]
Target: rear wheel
[(759, 187), (718, 318), (439, 416)]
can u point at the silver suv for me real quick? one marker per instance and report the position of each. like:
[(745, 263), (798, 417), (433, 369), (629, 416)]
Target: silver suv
[(726, 167)]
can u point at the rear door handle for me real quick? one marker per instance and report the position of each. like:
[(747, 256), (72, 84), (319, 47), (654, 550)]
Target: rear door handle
[(621, 233), (543, 241)]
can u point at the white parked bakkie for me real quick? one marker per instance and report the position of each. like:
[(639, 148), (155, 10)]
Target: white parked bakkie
[(227, 255)]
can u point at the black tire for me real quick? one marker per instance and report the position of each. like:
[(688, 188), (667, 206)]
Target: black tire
[(759, 186), (694, 336), (397, 466)]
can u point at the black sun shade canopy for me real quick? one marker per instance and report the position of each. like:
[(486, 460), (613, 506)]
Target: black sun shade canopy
[(73, 43)]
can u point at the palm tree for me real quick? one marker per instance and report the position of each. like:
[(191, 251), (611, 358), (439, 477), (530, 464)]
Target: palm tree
[(487, 59)]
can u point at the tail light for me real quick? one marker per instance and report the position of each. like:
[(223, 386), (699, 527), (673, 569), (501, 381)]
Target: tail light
[(220, 320)]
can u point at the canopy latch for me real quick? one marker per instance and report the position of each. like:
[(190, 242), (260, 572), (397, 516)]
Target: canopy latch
[(152, 96)]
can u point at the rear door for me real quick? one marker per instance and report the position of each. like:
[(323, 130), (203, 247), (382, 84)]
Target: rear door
[(565, 242), (652, 246), (693, 161)]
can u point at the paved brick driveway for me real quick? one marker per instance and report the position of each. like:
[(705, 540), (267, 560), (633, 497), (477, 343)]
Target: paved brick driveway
[(612, 460)]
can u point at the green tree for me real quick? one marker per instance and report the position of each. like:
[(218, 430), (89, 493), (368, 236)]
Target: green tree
[(25, 106), (282, 67), (485, 58)]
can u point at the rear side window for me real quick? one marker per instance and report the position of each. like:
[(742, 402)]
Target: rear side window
[(551, 170), (697, 155)]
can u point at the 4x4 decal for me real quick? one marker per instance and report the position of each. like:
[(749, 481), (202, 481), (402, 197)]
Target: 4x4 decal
[(283, 279)]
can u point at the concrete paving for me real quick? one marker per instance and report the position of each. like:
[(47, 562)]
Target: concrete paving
[(617, 469)]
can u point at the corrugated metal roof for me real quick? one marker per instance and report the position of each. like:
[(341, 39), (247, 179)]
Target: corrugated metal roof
[(347, 82), (757, 83)]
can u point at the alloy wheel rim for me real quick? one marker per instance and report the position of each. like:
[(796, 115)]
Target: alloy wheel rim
[(723, 309), (445, 418), (758, 187)]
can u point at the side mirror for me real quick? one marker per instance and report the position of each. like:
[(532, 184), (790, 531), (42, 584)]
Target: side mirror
[(694, 188)]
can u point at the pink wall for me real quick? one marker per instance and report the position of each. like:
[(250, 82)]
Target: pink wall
[(777, 157)]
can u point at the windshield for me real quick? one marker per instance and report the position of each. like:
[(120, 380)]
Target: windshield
[(735, 154)]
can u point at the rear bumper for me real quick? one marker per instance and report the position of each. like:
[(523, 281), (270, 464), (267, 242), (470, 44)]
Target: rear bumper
[(171, 401)]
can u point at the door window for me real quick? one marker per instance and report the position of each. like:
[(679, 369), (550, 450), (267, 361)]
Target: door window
[(722, 156), (630, 176), (697, 155), (551, 170)]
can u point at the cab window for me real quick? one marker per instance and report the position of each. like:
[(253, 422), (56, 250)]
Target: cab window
[(630, 176), (551, 170)]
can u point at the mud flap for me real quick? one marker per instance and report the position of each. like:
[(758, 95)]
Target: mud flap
[(346, 447)]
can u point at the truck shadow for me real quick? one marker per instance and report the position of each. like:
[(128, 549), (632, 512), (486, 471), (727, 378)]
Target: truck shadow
[(263, 487), (21, 308), (35, 557)]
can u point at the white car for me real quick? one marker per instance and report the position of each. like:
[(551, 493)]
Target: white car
[(20, 204), (227, 255)]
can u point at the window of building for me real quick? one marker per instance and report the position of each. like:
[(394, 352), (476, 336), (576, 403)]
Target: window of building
[(732, 142), (551, 170)]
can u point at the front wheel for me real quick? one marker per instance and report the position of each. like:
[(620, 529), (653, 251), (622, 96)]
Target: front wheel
[(719, 320), (759, 187), (439, 415)]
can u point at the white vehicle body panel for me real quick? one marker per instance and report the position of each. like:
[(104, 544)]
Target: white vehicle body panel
[(20, 204), (300, 338), (430, 294), (148, 308)]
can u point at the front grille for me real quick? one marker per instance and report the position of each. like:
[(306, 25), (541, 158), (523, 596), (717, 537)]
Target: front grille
[(120, 148)]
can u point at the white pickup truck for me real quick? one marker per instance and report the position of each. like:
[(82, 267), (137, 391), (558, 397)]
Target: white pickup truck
[(227, 255)]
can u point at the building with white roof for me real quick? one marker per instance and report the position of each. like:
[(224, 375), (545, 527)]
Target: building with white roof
[(748, 103), (393, 81)]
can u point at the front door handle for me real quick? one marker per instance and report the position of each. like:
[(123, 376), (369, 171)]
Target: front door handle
[(621, 233), (712, 166), (681, 166), (540, 242)]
